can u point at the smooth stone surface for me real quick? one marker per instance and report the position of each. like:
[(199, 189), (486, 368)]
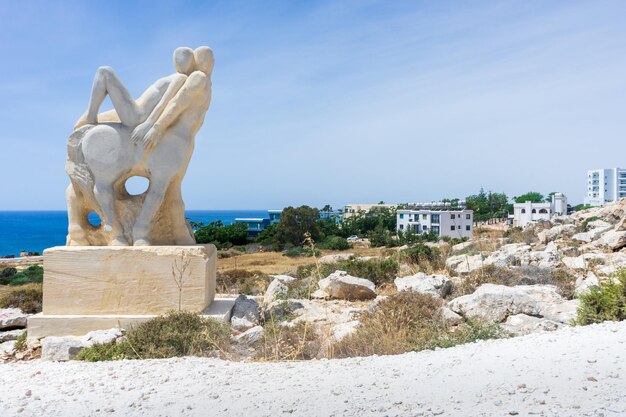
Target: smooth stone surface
[(40, 325), (137, 280)]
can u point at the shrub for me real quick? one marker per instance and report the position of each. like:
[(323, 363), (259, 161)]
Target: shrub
[(241, 281), (32, 274), (379, 271), (607, 302), (27, 298), (20, 342), (178, 333), (334, 243), (294, 342), (519, 235), (223, 236), (584, 226), (409, 321)]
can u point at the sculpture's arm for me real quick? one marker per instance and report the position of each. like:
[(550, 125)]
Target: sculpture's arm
[(196, 82), (141, 130)]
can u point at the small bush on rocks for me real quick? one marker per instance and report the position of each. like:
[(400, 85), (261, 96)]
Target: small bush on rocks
[(409, 321), (178, 333), (607, 302), (27, 298)]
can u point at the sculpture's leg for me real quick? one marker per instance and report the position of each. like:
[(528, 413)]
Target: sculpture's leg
[(76, 233), (106, 82), (151, 204), (112, 225), (180, 229)]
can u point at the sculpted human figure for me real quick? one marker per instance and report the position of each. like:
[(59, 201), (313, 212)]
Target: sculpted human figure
[(106, 149)]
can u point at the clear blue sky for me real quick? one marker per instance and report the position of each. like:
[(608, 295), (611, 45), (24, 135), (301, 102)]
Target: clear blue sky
[(332, 102)]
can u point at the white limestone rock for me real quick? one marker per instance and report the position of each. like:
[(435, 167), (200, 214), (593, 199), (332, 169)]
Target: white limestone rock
[(613, 240), (7, 347), (586, 283), (556, 232), (464, 264), (522, 324), (102, 337), (335, 257), (435, 285), (11, 335), (341, 330), (251, 336), (12, 318), (451, 317), (563, 312), (62, 348), (508, 255), (319, 295), (346, 287), (495, 303), (277, 287)]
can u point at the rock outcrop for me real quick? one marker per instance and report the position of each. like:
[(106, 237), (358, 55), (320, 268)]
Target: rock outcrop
[(346, 287), (436, 285)]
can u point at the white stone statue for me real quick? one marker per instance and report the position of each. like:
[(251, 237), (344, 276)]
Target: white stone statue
[(152, 137)]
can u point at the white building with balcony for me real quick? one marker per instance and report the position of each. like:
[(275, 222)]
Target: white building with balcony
[(605, 185), (438, 218), (529, 212)]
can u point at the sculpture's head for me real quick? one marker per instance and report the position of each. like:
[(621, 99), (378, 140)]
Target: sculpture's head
[(184, 60), (204, 59)]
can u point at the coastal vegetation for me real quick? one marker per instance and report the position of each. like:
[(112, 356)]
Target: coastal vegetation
[(178, 333), (604, 302), (410, 321)]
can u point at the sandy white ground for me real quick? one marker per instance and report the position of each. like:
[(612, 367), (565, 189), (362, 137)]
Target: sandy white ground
[(573, 372)]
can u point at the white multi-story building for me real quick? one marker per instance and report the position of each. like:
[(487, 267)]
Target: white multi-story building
[(529, 212), (441, 219), (605, 185)]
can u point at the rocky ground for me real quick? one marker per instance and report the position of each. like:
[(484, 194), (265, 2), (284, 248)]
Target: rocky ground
[(578, 371)]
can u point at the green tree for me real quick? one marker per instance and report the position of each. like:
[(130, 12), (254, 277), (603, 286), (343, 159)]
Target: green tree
[(295, 222), (532, 196), (488, 205), (223, 236)]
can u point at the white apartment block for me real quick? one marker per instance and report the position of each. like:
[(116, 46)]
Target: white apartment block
[(528, 212), (351, 209), (605, 185), (454, 222)]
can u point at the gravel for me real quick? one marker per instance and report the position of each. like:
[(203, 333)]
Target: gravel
[(579, 371)]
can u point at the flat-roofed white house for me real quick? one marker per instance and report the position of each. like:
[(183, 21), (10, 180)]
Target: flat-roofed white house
[(438, 218), (605, 185), (529, 212), (350, 210)]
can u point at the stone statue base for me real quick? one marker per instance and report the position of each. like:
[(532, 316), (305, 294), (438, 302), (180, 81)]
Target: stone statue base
[(88, 288)]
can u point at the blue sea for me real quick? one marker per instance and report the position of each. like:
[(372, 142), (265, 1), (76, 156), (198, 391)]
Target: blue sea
[(34, 231)]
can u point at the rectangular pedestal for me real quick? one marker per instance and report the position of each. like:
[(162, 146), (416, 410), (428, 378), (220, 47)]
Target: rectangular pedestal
[(42, 325), (123, 281)]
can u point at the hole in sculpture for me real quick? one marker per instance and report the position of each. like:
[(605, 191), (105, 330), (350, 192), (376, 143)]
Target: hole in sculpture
[(94, 219), (137, 185)]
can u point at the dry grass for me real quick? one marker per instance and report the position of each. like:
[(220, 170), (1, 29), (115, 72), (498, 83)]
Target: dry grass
[(27, 297), (272, 263), (409, 321)]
